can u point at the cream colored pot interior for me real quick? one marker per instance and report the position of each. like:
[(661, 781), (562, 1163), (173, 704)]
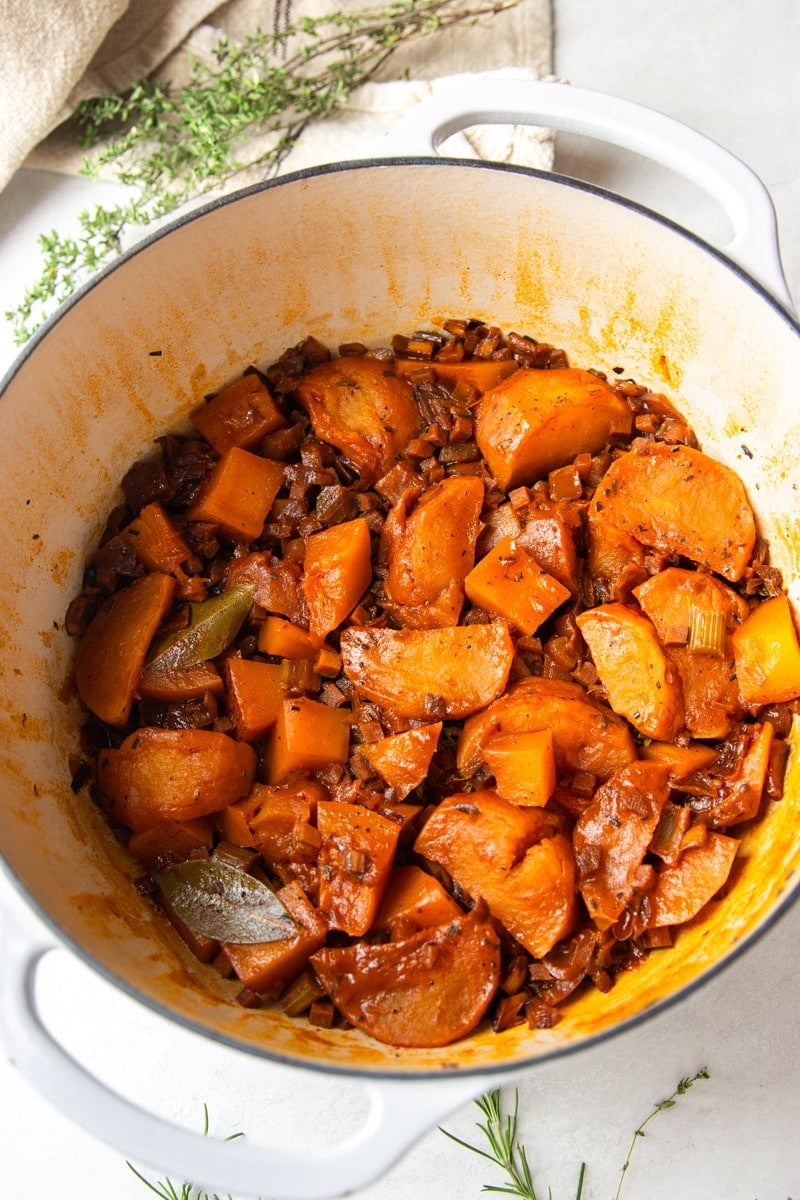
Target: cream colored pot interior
[(354, 254)]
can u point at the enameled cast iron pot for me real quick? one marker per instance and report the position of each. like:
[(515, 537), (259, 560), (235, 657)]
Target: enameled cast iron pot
[(359, 251)]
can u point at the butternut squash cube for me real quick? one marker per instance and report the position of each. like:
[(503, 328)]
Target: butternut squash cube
[(255, 694), (239, 493), (767, 654), (337, 572), (414, 900), (269, 966), (479, 373), (307, 735), (241, 414), (523, 766), (355, 861), (587, 735), (508, 581), (284, 639), (158, 544)]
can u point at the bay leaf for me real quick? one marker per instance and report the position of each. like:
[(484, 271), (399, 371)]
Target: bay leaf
[(224, 902), (213, 624)]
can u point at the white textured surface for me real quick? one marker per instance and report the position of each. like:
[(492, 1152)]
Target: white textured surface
[(730, 70)]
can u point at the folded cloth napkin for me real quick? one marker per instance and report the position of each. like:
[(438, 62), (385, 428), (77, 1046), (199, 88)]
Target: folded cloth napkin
[(94, 46)]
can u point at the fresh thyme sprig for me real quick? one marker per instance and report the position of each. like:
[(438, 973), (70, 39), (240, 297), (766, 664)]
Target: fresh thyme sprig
[(247, 110), (670, 1102), (168, 1190), (508, 1153)]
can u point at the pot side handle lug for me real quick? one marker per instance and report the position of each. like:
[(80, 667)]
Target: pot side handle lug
[(699, 159), (399, 1111)]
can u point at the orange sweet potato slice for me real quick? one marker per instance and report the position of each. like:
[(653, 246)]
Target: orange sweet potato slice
[(173, 774), (402, 759), (587, 736), (429, 547), (674, 598), (683, 888), (767, 654), (612, 835), (337, 571), (679, 501), (355, 860), (537, 420), (615, 560), (110, 656), (512, 857), (360, 406), (639, 679), (740, 794), (428, 990), (460, 669), (172, 684)]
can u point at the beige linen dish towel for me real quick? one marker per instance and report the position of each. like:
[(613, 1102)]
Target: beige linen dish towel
[(57, 53)]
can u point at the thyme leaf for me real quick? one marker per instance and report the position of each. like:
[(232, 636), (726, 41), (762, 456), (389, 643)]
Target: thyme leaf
[(174, 145)]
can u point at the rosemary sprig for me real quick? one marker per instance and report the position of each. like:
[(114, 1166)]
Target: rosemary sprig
[(505, 1150), (167, 1190), (172, 145)]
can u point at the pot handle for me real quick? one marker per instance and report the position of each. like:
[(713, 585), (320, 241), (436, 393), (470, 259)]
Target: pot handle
[(473, 100), (399, 1111)]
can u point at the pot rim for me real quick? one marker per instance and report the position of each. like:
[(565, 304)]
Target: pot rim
[(62, 939), (347, 165)]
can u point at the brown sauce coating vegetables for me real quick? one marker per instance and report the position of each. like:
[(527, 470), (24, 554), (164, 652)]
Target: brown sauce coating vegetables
[(432, 682)]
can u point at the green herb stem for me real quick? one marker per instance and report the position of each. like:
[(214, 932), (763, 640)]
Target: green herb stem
[(638, 1133), (246, 111)]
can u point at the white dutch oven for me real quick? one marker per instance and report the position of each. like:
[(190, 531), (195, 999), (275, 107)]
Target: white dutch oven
[(360, 251)]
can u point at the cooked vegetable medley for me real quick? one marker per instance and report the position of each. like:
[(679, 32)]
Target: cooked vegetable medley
[(432, 681)]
